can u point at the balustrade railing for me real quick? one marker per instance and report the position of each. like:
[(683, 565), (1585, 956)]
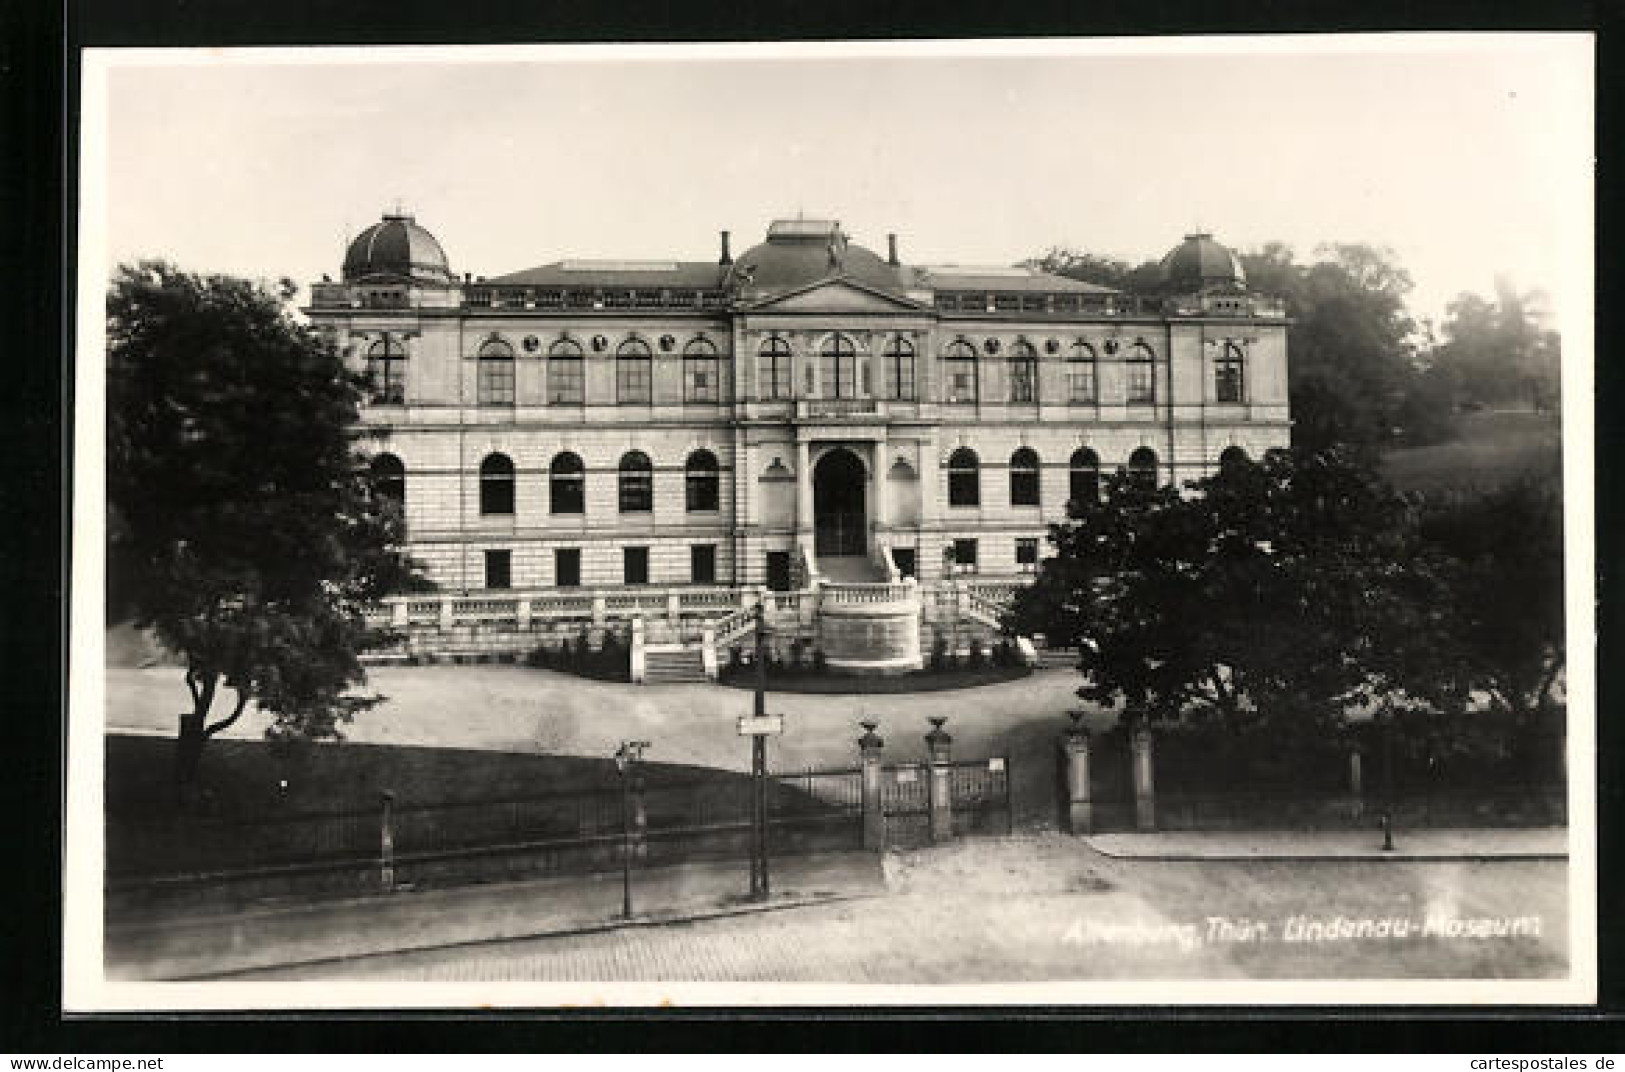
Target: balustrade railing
[(846, 594)]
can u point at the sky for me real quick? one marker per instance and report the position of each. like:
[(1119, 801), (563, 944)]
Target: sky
[(1470, 156)]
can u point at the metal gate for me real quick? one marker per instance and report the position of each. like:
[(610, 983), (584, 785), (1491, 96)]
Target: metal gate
[(979, 794), (905, 804)]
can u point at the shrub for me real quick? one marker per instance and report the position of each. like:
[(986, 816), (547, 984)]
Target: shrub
[(795, 656), (977, 657), (939, 653), (614, 661), (1004, 654), (820, 663)]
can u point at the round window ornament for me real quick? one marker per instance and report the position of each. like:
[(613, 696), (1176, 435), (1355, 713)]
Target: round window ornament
[(1052, 346), (532, 344), (1111, 346), (667, 343), (991, 346), (599, 344)]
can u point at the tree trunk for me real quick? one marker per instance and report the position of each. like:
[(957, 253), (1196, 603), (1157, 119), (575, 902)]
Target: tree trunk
[(188, 754)]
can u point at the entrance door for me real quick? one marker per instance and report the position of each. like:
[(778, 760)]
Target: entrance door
[(840, 526)]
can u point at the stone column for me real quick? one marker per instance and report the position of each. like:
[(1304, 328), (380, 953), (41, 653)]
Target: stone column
[(804, 488), (874, 816), (939, 745), (882, 493), (1145, 793), (1077, 808)]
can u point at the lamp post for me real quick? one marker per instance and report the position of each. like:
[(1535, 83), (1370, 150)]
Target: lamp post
[(949, 561), (627, 757), (758, 767)]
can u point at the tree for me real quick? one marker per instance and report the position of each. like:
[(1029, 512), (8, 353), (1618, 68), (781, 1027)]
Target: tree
[(1350, 341), (242, 527), (1093, 268), (1276, 595), (1495, 352), (1501, 556)]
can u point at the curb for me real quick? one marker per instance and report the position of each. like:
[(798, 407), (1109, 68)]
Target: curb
[(567, 931), (1310, 857)]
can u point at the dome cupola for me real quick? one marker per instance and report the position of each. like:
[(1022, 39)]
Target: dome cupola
[(396, 248), (1199, 264), (803, 251)]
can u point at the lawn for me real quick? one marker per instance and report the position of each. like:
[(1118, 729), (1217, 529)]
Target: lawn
[(1490, 449)]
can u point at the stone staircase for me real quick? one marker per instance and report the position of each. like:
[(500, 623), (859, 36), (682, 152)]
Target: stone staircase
[(670, 665), (850, 569), (1057, 658)]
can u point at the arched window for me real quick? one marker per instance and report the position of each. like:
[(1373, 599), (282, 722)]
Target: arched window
[(566, 375), (959, 373), (1023, 372), (567, 484), (637, 483), (1227, 374), (1080, 374), (1024, 477), (1085, 476), (1142, 467), (964, 478), (900, 368), (1142, 382), (496, 485), (700, 372), (838, 367), (386, 369), (701, 482), (496, 374), (634, 378), (1233, 457), (773, 369), (389, 480)]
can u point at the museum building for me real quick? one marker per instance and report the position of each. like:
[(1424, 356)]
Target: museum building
[(669, 439)]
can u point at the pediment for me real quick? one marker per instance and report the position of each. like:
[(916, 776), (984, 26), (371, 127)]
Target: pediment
[(836, 296)]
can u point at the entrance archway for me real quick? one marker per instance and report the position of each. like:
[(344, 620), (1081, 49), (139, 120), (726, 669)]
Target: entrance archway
[(840, 523)]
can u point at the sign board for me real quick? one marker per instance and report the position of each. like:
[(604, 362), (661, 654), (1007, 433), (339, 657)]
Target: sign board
[(763, 726), (996, 763)]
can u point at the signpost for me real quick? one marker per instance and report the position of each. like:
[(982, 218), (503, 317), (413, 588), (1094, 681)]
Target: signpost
[(626, 760), (758, 727)]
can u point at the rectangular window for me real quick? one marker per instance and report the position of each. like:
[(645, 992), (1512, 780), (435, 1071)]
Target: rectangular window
[(497, 569), (1141, 382), (635, 565), (1081, 380), (566, 384), (633, 380), (778, 571), (774, 374), (1023, 381), (964, 556), (902, 368), (1027, 554), (1227, 381), (702, 563), (960, 377), (567, 567), (700, 379)]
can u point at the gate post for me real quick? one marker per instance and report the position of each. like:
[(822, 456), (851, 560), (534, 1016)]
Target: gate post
[(386, 842), (940, 791), (874, 816), (1077, 807), (1145, 793)]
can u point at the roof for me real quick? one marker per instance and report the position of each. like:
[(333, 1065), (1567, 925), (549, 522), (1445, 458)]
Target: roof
[(993, 278), (396, 247), (615, 273), (1199, 263)]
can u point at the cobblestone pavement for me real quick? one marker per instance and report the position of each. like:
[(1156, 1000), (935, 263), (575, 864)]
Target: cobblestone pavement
[(1028, 910)]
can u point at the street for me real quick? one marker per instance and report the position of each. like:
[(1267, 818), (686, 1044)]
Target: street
[(1025, 910)]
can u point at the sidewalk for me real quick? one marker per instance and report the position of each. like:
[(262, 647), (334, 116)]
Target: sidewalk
[(181, 946), (1537, 843)]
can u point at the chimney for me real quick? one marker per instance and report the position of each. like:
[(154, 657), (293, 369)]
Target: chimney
[(891, 245), (727, 257)]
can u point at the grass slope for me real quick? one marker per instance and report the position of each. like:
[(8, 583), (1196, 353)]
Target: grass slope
[(1489, 450)]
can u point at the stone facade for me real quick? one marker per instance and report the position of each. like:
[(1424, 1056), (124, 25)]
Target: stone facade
[(805, 350)]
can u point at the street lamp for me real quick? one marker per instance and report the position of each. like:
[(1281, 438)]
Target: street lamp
[(626, 759)]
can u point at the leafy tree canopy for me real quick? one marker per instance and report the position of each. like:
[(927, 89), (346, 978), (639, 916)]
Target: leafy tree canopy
[(242, 528), (1281, 592), (1500, 351)]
